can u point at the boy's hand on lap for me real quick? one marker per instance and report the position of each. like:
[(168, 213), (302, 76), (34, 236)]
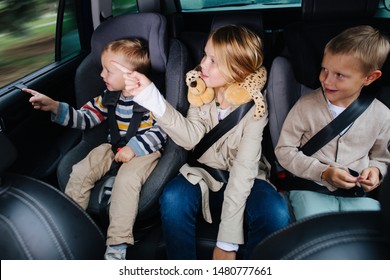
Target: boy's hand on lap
[(369, 179), (339, 178), (125, 154)]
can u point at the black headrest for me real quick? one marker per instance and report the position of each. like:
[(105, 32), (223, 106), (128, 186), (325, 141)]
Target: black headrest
[(253, 21), (336, 9), (148, 26), (322, 20), (8, 153)]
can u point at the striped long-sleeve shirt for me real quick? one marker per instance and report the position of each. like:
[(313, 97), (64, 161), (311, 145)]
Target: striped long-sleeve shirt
[(148, 139)]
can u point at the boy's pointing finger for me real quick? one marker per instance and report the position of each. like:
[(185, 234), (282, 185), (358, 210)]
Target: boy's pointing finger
[(32, 92)]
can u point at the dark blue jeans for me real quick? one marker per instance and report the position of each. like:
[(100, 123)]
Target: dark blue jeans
[(266, 211)]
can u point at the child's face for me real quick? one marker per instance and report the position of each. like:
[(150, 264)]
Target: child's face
[(342, 78), (111, 75), (210, 71)]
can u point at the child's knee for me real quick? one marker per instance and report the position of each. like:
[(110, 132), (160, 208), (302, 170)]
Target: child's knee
[(170, 196)]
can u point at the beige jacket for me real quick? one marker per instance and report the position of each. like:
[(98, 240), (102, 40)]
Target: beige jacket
[(238, 151), (366, 142)]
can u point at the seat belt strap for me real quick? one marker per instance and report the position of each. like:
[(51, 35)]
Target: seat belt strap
[(220, 129), (110, 100), (213, 135), (338, 124), (138, 112)]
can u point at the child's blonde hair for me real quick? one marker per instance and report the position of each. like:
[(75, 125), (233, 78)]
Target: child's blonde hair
[(364, 43), (135, 52), (238, 50)]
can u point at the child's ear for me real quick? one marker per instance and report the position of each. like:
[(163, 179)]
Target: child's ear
[(374, 75)]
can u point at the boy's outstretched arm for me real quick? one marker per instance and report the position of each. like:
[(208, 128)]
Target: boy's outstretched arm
[(42, 102)]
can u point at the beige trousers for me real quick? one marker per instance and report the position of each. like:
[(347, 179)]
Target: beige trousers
[(125, 192)]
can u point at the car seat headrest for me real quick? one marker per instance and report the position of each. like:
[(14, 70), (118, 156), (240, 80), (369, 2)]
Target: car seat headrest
[(250, 20), (8, 153), (321, 21), (316, 10), (148, 26)]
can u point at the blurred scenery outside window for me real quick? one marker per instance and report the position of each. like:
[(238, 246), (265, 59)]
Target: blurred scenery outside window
[(27, 34), (233, 4), (124, 6)]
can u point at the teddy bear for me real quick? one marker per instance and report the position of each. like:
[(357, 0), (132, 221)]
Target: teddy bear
[(198, 93), (236, 93)]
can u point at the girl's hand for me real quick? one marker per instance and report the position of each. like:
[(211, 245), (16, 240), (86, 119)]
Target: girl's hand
[(41, 101), (135, 82), (219, 254), (125, 154)]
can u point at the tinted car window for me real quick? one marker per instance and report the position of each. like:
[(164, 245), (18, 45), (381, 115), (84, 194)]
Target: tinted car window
[(124, 6), (27, 32), (233, 4)]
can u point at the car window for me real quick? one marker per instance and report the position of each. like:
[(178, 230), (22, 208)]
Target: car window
[(236, 4), (383, 9), (27, 32), (70, 42), (124, 6)]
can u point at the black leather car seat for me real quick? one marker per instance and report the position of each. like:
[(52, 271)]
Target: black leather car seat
[(168, 67), (38, 222)]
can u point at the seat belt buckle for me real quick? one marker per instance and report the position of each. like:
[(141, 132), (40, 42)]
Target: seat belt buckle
[(358, 189), (282, 175)]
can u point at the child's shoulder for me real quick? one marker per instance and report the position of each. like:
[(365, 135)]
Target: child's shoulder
[(380, 109), (381, 105), (311, 98)]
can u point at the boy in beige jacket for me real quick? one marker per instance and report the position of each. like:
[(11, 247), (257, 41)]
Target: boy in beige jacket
[(351, 61)]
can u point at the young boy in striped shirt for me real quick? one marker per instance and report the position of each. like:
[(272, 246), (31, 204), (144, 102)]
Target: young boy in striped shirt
[(138, 156)]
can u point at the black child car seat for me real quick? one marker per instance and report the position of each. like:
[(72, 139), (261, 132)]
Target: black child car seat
[(168, 67), (345, 235)]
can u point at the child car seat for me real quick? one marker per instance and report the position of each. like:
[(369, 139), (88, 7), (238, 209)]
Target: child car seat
[(345, 235), (168, 67), (296, 70)]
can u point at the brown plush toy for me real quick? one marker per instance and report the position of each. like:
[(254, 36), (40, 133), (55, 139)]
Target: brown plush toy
[(198, 94), (235, 94)]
